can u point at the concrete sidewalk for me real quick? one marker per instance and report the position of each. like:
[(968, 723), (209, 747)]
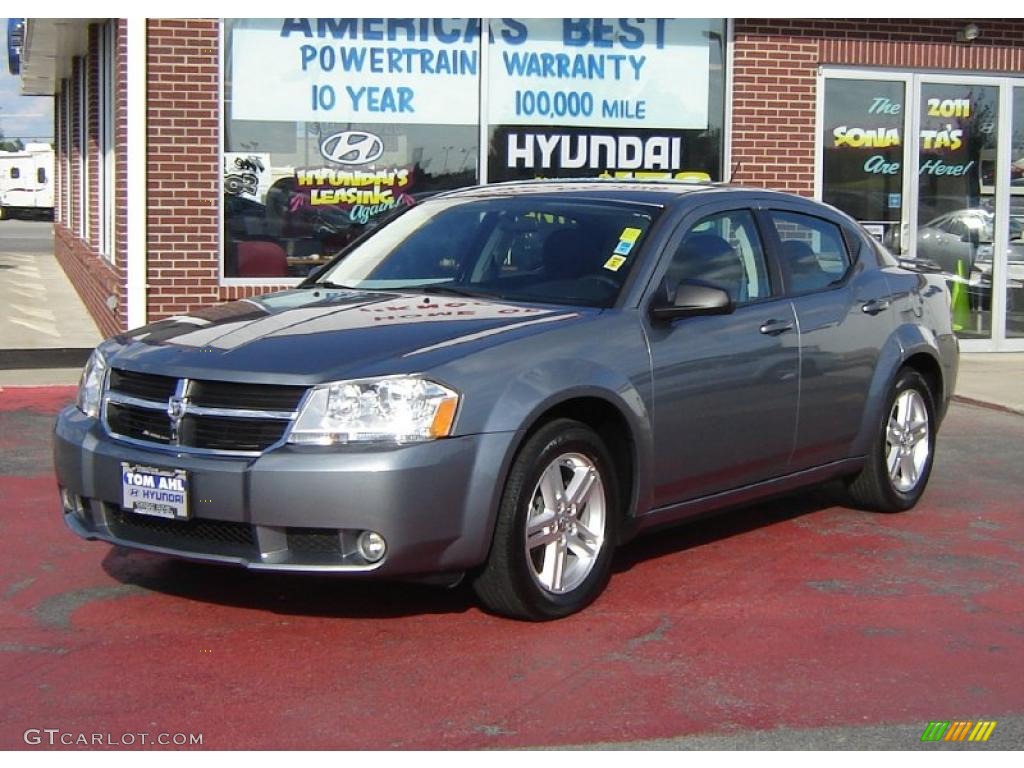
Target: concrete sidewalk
[(43, 322), (992, 379)]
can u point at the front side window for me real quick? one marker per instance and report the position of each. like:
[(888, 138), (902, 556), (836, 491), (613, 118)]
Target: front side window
[(723, 250), (814, 256), (530, 248)]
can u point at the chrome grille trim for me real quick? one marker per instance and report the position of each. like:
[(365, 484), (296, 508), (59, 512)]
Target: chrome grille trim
[(186, 410), (201, 410)]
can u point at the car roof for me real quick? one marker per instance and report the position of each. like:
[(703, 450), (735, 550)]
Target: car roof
[(661, 193)]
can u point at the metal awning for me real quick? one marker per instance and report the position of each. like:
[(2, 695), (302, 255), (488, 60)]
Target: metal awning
[(48, 48)]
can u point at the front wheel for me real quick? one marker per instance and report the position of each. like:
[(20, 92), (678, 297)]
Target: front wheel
[(899, 460), (557, 525)]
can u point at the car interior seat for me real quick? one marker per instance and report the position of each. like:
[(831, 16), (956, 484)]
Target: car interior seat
[(259, 258), (709, 258), (805, 272), (569, 253)]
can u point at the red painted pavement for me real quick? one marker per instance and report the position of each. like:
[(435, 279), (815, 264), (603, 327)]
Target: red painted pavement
[(798, 613)]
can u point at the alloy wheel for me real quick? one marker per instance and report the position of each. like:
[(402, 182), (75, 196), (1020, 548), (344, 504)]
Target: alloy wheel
[(907, 444), (565, 525)]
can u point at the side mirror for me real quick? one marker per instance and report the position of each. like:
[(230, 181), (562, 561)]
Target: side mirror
[(693, 298)]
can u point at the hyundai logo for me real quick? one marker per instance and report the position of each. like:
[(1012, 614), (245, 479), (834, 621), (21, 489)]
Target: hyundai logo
[(352, 147)]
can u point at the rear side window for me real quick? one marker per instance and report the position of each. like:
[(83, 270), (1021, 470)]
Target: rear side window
[(41, 175), (15, 173), (814, 255)]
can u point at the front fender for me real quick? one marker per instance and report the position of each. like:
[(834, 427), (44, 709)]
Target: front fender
[(529, 395)]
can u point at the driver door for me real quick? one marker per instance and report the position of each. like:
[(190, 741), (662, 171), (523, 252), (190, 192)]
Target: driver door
[(725, 386)]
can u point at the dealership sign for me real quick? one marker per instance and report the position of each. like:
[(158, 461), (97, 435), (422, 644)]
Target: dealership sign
[(356, 70), (523, 152), (611, 73)]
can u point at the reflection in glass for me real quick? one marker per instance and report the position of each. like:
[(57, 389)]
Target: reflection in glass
[(862, 172), (1015, 254), (956, 203)]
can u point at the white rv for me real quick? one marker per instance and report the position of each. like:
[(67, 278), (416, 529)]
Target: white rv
[(26, 182)]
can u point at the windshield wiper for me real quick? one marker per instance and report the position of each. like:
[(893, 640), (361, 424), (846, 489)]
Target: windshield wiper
[(329, 284), (434, 288)]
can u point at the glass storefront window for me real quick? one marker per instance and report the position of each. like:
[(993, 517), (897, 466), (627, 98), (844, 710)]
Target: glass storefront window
[(862, 140), (956, 196), (332, 125), (1015, 255), (618, 98), (953, 219)]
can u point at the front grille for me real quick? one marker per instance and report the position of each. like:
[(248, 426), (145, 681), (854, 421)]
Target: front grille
[(211, 536), (143, 385), (227, 394), (139, 423), (231, 434), (248, 417)]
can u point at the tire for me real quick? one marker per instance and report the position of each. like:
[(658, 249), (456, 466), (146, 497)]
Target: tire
[(906, 439), (563, 474)]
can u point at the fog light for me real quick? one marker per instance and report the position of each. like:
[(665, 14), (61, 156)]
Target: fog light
[(371, 546)]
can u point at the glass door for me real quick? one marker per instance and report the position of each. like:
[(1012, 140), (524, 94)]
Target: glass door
[(1014, 176), (933, 166), (956, 196)]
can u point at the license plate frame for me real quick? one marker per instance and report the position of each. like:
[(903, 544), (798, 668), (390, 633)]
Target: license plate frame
[(155, 491)]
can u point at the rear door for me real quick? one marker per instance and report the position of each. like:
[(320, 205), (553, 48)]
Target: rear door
[(725, 386), (844, 309)]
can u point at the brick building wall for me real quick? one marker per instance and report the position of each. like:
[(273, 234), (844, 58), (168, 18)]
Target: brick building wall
[(120, 234), (95, 278), (183, 116), (775, 66)]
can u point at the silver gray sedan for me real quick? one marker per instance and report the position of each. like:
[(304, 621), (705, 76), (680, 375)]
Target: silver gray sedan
[(506, 382)]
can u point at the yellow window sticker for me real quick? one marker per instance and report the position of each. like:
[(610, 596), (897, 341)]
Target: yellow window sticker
[(614, 263), (630, 234)]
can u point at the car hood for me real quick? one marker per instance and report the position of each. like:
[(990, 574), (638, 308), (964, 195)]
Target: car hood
[(306, 336)]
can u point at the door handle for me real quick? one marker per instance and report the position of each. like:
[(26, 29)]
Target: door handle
[(775, 327), (875, 306)]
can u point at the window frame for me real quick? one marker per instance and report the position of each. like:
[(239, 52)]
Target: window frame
[(772, 233), (682, 227)]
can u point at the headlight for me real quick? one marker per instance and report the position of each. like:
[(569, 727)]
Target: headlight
[(399, 409), (90, 386)]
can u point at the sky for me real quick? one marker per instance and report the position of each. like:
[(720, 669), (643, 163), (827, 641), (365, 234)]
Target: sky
[(23, 117)]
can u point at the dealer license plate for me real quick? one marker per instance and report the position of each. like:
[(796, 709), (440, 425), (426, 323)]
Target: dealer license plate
[(156, 492)]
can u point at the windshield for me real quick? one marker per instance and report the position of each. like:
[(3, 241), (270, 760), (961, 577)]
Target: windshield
[(542, 248)]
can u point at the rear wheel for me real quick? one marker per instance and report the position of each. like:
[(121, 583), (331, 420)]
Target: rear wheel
[(900, 458), (557, 524)]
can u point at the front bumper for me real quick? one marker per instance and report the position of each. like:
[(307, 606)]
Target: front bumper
[(295, 508)]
